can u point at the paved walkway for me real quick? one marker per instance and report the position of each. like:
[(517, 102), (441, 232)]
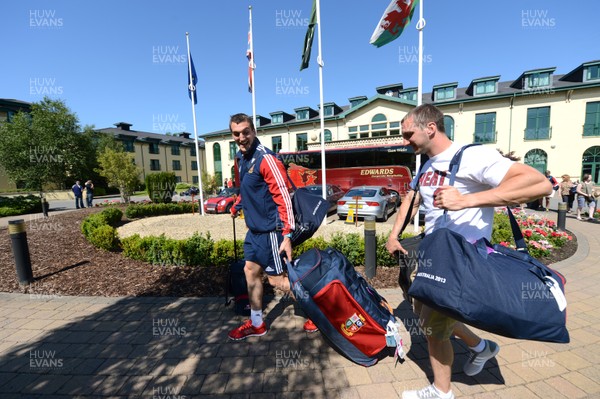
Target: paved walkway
[(70, 347)]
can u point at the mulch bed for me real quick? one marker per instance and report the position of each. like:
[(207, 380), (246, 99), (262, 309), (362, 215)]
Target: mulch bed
[(65, 263)]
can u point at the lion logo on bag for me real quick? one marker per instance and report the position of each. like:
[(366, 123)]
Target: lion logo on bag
[(353, 324)]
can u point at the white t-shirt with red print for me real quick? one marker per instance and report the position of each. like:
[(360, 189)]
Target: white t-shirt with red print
[(481, 168)]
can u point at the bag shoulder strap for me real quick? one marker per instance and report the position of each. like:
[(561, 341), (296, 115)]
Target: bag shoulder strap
[(517, 233), (412, 201)]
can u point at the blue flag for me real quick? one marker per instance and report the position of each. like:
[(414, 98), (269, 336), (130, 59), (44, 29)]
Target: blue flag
[(192, 84)]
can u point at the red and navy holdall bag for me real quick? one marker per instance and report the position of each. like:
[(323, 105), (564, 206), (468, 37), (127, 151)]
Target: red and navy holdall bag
[(350, 314)]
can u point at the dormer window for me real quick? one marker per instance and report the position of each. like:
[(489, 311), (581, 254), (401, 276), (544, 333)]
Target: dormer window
[(486, 87), (329, 110), (444, 93), (409, 95), (592, 72), (537, 80), (302, 115), (354, 101), (276, 118)]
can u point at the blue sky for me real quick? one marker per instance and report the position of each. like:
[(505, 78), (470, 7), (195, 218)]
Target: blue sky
[(125, 60)]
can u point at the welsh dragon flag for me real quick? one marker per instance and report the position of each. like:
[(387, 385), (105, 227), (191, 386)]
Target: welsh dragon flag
[(395, 18)]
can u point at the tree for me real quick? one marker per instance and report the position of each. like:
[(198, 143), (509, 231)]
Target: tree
[(43, 147), (209, 184), (120, 171)]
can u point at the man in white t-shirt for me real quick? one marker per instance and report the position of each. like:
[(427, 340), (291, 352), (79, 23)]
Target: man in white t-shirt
[(484, 180)]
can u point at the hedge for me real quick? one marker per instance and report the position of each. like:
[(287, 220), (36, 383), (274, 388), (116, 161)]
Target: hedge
[(135, 211), (161, 186), (20, 205)]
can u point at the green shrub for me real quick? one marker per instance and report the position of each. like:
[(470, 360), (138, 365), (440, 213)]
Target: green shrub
[(351, 245), (112, 216), (314, 242), (91, 223), (104, 237), (501, 230), (161, 186)]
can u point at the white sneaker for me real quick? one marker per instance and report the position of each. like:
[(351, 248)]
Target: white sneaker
[(476, 360), (429, 392)]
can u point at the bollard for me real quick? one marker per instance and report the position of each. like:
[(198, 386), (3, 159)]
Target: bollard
[(562, 216), (370, 247), (45, 207), (18, 237)]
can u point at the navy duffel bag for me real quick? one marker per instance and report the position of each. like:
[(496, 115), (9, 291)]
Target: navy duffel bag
[(491, 287)]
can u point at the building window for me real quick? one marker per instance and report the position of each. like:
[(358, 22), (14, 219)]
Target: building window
[(193, 151), (356, 101), (195, 180), (194, 165), (176, 165), (153, 148), (327, 135), (178, 179), (379, 122), (394, 128), (364, 131), (175, 149), (444, 93), (329, 110), (537, 159), (538, 124), (410, 95), (485, 128), (3, 116), (302, 115), (277, 118), (592, 72), (591, 163), (483, 88), (449, 126), (232, 150), (536, 80), (592, 119), (154, 164), (217, 164), (301, 141), (276, 144), (128, 146)]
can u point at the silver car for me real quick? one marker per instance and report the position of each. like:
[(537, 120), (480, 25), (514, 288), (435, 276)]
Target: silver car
[(367, 201)]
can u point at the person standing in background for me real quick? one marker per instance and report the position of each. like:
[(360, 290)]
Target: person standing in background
[(89, 193), (78, 192), (566, 192)]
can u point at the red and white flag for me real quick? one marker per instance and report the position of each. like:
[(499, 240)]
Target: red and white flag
[(250, 57)]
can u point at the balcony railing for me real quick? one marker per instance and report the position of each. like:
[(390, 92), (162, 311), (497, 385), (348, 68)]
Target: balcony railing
[(591, 130), (540, 133), (485, 137)]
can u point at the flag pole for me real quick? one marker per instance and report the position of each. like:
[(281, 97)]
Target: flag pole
[(192, 89), (252, 66), (420, 26), (322, 113)]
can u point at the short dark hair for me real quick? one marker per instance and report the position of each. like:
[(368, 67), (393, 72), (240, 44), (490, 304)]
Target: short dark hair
[(239, 118), (425, 113)]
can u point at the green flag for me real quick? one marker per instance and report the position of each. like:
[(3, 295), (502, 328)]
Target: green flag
[(308, 39)]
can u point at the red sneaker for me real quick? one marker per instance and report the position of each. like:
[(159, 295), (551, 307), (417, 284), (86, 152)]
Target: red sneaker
[(247, 330), (310, 327)]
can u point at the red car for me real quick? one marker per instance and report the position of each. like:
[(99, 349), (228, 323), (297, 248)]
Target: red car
[(222, 202)]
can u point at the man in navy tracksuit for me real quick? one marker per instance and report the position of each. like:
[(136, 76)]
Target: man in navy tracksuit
[(265, 200)]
